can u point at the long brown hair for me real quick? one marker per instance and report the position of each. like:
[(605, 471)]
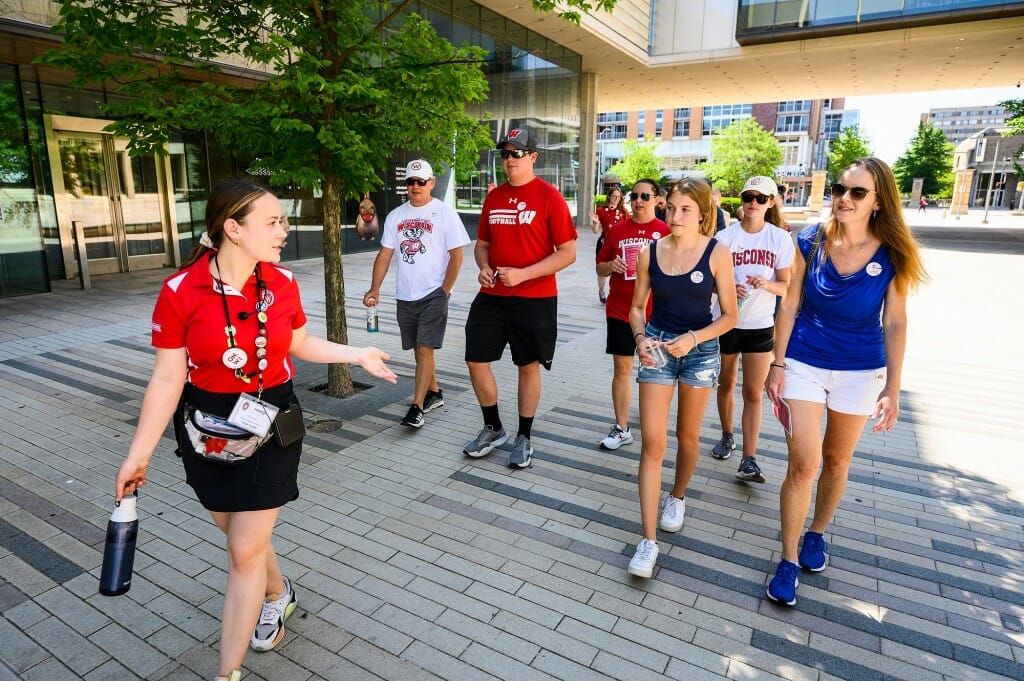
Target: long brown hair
[(231, 198), (700, 191), (887, 225)]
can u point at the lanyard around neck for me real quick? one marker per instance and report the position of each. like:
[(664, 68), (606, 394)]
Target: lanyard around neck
[(234, 357)]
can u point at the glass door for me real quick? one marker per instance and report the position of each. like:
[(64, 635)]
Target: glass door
[(115, 203), (89, 201)]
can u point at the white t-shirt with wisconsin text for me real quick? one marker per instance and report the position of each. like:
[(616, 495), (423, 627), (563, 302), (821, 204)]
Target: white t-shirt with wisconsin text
[(757, 255), (421, 238)]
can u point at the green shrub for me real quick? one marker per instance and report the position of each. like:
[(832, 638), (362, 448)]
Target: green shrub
[(599, 200), (730, 204)]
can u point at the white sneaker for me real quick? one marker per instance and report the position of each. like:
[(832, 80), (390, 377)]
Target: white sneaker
[(270, 628), (617, 437), (642, 564), (672, 513)]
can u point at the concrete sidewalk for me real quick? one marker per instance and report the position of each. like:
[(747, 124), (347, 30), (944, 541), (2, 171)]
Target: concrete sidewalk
[(412, 562)]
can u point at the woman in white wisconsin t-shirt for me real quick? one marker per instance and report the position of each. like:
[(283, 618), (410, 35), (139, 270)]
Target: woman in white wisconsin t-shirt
[(762, 254)]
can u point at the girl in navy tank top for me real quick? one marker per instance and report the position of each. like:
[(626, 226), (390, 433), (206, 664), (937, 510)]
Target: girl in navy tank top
[(681, 271)]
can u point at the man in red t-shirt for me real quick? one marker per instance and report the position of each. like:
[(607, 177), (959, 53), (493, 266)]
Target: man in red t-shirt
[(526, 234), (617, 259)]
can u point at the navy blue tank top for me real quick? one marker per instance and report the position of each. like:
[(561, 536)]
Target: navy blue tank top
[(682, 302)]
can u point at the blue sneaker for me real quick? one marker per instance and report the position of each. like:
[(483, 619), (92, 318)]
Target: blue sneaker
[(814, 552), (782, 588)]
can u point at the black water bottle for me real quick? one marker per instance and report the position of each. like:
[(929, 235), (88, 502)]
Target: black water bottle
[(119, 552)]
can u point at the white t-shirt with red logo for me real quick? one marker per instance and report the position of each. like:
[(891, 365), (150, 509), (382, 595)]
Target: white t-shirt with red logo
[(421, 238), (758, 255), (522, 225)]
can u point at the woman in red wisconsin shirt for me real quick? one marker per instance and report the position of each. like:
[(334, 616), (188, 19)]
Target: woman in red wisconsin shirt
[(225, 328), (611, 213)]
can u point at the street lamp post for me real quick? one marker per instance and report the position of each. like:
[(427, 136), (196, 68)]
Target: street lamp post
[(991, 182)]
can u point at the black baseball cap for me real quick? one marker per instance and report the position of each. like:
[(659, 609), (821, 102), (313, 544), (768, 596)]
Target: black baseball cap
[(520, 138)]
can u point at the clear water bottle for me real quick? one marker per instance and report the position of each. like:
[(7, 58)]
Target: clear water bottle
[(371, 317), (119, 551)]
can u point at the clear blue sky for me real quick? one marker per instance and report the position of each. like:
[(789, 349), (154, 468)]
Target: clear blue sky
[(890, 121)]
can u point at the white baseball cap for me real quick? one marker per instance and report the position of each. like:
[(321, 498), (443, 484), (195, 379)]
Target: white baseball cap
[(419, 169), (762, 184)]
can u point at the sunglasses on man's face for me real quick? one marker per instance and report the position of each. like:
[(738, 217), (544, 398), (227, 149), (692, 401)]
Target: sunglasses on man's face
[(856, 193), (410, 181), (514, 153), (750, 197), (643, 196)]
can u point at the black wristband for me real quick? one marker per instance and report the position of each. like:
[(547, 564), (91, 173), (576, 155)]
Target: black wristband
[(781, 366), (637, 334)]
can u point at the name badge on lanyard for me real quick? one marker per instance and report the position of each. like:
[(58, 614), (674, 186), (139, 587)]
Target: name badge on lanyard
[(253, 415)]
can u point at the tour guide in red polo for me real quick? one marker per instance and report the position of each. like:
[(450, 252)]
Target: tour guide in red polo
[(526, 234)]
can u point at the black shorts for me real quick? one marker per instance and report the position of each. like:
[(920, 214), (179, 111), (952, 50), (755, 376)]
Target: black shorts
[(600, 242), (529, 326), (267, 479), (747, 340), (621, 340), (422, 322)]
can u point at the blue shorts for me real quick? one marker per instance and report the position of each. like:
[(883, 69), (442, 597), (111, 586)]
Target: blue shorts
[(699, 367)]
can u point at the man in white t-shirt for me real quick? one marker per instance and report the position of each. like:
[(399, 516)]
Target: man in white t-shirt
[(429, 236)]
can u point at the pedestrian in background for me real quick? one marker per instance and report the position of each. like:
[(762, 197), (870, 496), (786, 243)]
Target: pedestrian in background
[(840, 338), (680, 271), (428, 235), (526, 235), (611, 213), (761, 257), (225, 328), (617, 260)]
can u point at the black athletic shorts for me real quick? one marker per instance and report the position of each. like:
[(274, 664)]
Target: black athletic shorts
[(747, 340), (620, 338), (529, 326)]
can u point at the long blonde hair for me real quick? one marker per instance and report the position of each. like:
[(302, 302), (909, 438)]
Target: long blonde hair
[(887, 225)]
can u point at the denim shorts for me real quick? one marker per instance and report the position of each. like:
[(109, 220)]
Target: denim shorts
[(699, 367)]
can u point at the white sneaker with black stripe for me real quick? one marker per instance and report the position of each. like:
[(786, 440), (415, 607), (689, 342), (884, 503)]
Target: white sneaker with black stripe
[(270, 628)]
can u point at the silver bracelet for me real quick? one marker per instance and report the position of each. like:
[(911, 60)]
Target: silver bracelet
[(695, 341)]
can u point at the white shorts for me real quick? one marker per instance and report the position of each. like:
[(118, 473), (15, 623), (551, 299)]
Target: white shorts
[(848, 392)]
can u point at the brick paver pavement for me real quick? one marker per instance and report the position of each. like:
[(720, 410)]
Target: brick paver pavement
[(412, 562)]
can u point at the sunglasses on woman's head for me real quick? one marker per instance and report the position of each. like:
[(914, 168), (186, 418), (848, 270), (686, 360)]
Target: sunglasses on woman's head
[(643, 196), (748, 197), (409, 181), (514, 153), (856, 193)]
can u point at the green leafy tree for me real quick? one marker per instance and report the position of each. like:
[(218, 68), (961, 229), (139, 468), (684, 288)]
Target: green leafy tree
[(741, 150), (344, 83), (850, 145), (638, 161), (930, 157), (13, 152), (1015, 107)]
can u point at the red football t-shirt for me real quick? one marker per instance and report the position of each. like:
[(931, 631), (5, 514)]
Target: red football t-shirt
[(189, 313), (522, 225), (626, 239)]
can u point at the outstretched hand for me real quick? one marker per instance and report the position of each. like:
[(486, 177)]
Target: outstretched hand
[(372, 359)]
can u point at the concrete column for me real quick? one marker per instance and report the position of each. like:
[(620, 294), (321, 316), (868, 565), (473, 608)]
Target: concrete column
[(817, 198), (961, 200), (588, 149)]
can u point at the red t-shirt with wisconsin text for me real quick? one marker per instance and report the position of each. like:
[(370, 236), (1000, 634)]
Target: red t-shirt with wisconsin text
[(631, 236), (522, 225), (189, 313)]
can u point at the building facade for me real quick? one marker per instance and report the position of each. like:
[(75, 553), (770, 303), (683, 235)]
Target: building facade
[(70, 190), (985, 172), (958, 123), (804, 129)]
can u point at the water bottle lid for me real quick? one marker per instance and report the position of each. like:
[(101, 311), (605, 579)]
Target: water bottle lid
[(126, 511)]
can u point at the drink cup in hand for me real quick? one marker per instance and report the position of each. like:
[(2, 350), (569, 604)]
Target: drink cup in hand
[(657, 355)]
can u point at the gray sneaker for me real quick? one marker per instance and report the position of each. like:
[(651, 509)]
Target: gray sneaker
[(522, 453), (485, 442), (723, 450)]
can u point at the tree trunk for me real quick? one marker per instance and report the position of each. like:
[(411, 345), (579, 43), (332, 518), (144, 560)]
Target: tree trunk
[(339, 378)]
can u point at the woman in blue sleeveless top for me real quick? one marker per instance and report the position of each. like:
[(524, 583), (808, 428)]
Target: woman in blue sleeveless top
[(839, 352), (680, 271)]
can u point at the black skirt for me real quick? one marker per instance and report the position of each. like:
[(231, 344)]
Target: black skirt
[(267, 479)]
